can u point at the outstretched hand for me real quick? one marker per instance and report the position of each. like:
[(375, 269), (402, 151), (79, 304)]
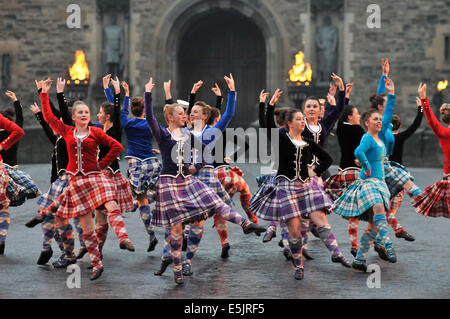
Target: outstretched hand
[(422, 91), (338, 81), (46, 85), (389, 84), (149, 85), (196, 86), (275, 97), (60, 84), (385, 66), (35, 108), (230, 82), (263, 96), (126, 88), (38, 84), (116, 84), (11, 95), (106, 80), (348, 89), (216, 90)]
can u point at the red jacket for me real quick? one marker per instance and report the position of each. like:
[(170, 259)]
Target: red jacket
[(82, 152), (14, 129), (443, 133)]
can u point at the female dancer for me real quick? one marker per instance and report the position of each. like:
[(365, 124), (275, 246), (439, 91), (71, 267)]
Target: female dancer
[(143, 165), (297, 193), (182, 198), (88, 188), (208, 135), (368, 197), (435, 199), (109, 118), (20, 184), (15, 135)]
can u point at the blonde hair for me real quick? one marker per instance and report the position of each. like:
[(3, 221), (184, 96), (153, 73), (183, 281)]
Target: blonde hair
[(77, 103), (445, 113), (169, 108)]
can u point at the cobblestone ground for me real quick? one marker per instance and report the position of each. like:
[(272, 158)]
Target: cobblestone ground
[(254, 269)]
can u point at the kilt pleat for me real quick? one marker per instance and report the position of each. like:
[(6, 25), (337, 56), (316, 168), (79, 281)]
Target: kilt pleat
[(183, 200), (336, 185), (56, 189), (207, 176), (360, 196), (395, 176), (143, 174), (434, 201), (83, 195), (20, 186), (123, 190), (286, 199)]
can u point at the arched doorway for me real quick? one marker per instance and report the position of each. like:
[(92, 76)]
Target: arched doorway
[(216, 44)]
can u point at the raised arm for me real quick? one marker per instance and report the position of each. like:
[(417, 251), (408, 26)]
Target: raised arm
[(192, 95), (168, 92), (360, 152), (381, 84), (116, 115), (62, 103), (17, 108), (150, 116), (219, 98), (231, 105), (416, 124), (389, 110), (270, 121), (48, 131), (262, 108), (437, 128), (330, 119), (49, 117), (126, 105)]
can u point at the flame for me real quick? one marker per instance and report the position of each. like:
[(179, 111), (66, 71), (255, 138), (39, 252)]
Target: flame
[(442, 85), (300, 72), (79, 71)]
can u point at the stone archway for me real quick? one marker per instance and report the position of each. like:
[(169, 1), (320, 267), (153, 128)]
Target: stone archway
[(182, 14)]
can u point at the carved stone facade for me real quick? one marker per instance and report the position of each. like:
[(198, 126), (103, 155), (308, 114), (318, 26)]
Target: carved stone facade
[(412, 35)]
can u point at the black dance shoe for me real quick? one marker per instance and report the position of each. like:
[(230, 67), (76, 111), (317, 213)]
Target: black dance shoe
[(254, 228), (354, 251), (2, 248), (391, 255), (96, 274), (187, 269), (63, 263), (82, 252), (359, 265), (299, 274), (126, 244), (34, 221), (163, 267), (381, 252), (342, 260), (225, 250), (306, 254), (280, 243), (269, 235), (404, 234), (45, 256), (287, 254), (152, 244), (184, 245)]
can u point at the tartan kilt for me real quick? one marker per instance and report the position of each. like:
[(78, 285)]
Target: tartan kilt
[(396, 176), (20, 186), (123, 190), (397, 201), (143, 174), (183, 200), (360, 196), (56, 189), (434, 201), (84, 194), (288, 200), (4, 200), (231, 179), (336, 185), (266, 184), (207, 176)]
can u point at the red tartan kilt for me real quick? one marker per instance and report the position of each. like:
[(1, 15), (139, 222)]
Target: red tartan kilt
[(231, 179), (4, 200), (83, 195), (123, 190), (434, 201), (336, 185)]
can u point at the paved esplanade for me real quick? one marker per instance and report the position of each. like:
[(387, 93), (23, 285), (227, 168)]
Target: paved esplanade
[(254, 269)]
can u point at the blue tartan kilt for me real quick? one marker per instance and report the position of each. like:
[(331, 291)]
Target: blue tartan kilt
[(56, 189), (20, 186), (360, 197), (395, 176)]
